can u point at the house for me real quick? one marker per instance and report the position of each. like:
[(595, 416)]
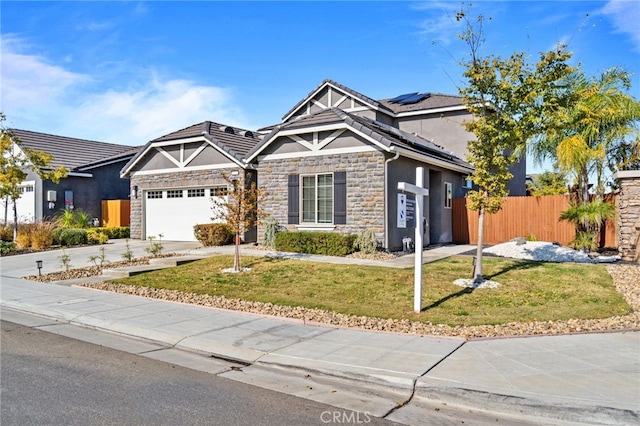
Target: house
[(174, 177), (93, 175), (333, 164)]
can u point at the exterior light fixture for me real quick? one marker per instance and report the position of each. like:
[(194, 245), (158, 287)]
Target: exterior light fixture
[(135, 191), (39, 266)]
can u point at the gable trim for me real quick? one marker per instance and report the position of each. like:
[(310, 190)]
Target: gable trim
[(430, 111), (338, 151), (185, 169)]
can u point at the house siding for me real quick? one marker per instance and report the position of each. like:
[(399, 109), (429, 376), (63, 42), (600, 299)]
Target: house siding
[(365, 187)]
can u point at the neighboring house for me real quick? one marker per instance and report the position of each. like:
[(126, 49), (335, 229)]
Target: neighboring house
[(93, 176), (174, 178)]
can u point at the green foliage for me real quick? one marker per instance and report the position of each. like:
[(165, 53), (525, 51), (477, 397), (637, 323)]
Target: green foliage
[(128, 254), (366, 242), (213, 234), (271, 229), (531, 237), (549, 183), (7, 247), (99, 259), (588, 218), (67, 218), (324, 243), (94, 236), (155, 248), (65, 260), (115, 232), (71, 236)]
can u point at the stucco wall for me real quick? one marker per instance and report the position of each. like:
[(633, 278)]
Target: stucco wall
[(629, 214)]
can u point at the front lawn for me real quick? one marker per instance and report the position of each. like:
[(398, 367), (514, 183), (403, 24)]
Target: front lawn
[(530, 291)]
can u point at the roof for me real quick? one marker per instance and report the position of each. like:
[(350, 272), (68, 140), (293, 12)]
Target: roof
[(384, 135), (428, 101), (72, 153), (234, 142)]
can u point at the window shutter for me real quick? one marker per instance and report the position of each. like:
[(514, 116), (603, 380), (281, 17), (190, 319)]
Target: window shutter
[(293, 200), (340, 198)]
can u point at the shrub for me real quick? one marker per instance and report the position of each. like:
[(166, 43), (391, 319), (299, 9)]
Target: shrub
[(94, 236), (72, 236), (213, 234), (115, 233), (324, 243), (366, 242), (23, 239), (6, 233), (42, 236), (271, 228), (7, 247)]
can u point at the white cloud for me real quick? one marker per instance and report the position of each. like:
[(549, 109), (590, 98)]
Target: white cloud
[(40, 96), (440, 26), (625, 16)]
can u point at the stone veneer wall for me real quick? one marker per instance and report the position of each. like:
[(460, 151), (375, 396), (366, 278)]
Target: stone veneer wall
[(629, 214), (185, 179), (365, 187)]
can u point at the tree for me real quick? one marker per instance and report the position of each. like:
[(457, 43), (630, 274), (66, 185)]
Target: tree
[(548, 183), (508, 99), (598, 133), (15, 161), (240, 208)]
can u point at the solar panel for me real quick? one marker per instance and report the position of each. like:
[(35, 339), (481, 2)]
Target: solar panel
[(402, 97), (417, 97)]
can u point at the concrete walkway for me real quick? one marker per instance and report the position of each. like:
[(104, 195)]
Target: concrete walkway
[(574, 379)]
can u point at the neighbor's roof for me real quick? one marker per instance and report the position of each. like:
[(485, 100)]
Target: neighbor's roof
[(72, 153), (384, 134), (234, 142)]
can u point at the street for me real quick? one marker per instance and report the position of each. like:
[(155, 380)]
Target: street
[(49, 379)]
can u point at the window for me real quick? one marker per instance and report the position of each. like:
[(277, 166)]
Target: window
[(317, 198), (467, 183), (154, 194), (191, 193), (219, 191), (174, 193), (448, 195)]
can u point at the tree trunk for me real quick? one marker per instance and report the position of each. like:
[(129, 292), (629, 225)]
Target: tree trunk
[(15, 221), (477, 272), (236, 261), (6, 210)]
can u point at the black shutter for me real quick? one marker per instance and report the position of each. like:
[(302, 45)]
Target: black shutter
[(340, 198), (293, 200)]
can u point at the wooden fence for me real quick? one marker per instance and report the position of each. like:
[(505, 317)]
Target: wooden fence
[(116, 213), (521, 217)]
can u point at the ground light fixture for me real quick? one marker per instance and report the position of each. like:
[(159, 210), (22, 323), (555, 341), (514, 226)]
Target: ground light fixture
[(39, 266)]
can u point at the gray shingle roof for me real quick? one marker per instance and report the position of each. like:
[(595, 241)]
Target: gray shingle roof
[(71, 153), (236, 142), (433, 101)]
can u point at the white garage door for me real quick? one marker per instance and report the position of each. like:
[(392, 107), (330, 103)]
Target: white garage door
[(174, 212)]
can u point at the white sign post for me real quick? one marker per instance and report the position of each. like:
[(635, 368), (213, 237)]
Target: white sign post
[(420, 192)]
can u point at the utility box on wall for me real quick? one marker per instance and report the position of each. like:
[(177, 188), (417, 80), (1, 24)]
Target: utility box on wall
[(116, 213)]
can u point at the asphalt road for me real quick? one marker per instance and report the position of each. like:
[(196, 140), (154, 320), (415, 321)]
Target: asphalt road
[(47, 379)]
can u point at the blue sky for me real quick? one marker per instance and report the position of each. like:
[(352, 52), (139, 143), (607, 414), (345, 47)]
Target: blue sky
[(128, 72)]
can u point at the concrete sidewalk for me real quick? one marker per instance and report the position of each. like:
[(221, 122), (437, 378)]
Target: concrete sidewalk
[(581, 379)]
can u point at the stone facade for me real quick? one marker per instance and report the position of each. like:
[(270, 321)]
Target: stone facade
[(365, 187), (184, 179), (629, 214)]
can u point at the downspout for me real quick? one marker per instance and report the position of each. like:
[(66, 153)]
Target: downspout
[(386, 200)]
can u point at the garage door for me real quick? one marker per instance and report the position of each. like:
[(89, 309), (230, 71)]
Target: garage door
[(174, 212)]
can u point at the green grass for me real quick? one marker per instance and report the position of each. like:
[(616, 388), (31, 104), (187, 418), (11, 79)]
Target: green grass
[(529, 291)]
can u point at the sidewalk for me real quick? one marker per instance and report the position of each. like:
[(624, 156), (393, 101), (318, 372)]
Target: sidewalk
[(581, 379)]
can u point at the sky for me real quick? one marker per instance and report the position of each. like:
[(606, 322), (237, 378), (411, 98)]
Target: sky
[(127, 72)]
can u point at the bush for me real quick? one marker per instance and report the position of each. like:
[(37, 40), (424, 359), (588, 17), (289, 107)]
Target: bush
[(271, 228), (94, 236), (324, 243), (42, 236), (23, 239), (7, 247), (6, 233), (115, 233), (72, 236), (213, 234), (366, 242)]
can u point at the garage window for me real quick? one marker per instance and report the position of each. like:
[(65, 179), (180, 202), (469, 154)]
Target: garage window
[(174, 193), (154, 194), (219, 191), (195, 192)]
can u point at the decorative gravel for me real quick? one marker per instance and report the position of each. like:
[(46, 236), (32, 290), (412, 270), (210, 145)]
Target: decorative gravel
[(545, 252)]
